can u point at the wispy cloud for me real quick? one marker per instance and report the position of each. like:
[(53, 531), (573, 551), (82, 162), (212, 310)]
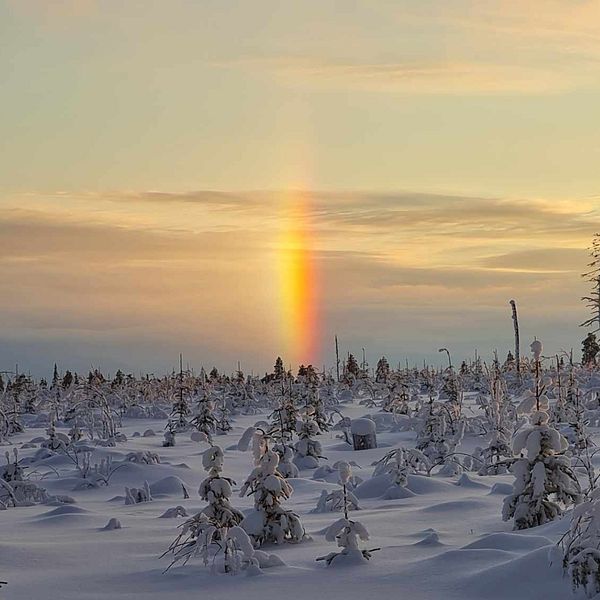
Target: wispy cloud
[(198, 270), (416, 77)]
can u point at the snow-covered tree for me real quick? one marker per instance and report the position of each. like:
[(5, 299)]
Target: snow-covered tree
[(501, 419), (212, 525), (347, 533), (544, 483), (593, 277), (398, 464), (342, 499), (308, 450), (581, 546), (270, 522), (382, 371), (286, 455), (591, 349), (205, 420)]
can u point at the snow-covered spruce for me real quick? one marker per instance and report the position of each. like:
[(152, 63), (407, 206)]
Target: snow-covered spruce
[(206, 533), (308, 450), (398, 465), (286, 454), (204, 420), (500, 415), (581, 546), (347, 533), (544, 483), (270, 522), (342, 499)]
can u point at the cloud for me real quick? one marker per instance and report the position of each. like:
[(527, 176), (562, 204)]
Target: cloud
[(441, 77), (542, 260), (202, 269)]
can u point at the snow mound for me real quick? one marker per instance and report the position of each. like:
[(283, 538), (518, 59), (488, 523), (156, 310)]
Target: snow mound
[(65, 515), (498, 582), (309, 486), (374, 487), (466, 481), (66, 509), (502, 489), (511, 542), (420, 484), (168, 486), (455, 506), (112, 525), (432, 539)]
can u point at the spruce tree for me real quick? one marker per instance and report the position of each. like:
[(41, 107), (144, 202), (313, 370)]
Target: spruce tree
[(591, 348)]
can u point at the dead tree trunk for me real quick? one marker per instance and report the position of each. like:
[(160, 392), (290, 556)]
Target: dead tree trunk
[(515, 318)]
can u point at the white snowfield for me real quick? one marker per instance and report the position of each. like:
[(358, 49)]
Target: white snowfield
[(444, 541)]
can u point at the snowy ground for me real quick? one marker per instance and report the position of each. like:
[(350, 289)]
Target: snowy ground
[(62, 552)]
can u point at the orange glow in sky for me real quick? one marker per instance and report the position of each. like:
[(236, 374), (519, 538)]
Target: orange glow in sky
[(299, 282)]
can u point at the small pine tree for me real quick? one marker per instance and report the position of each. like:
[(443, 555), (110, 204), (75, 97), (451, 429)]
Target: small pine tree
[(593, 277), (279, 370), (382, 371), (352, 366), (591, 348)]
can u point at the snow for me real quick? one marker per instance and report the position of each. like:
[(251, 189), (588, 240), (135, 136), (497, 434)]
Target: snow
[(362, 427), (445, 539)]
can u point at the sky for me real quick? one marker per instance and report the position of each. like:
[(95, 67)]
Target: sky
[(237, 180)]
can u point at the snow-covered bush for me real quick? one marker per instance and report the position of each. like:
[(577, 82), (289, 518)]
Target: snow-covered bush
[(138, 495), (143, 457)]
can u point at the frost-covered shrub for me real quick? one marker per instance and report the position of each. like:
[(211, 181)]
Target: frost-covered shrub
[(227, 550), (143, 457), (138, 495), (216, 490), (56, 442), (331, 474), (15, 489), (339, 500), (205, 420)]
